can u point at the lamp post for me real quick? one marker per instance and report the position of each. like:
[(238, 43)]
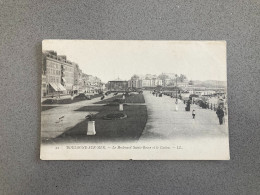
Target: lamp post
[(176, 88)]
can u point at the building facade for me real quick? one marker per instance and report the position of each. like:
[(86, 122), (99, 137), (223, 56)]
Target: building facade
[(67, 76), (90, 83), (164, 80), (117, 85), (135, 83), (77, 78), (147, 83), (52, 71), (61, 76), (144, 81), (44, 85)]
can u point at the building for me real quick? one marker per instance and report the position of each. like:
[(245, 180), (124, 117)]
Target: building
[(117, 85), (62, 76), (44, 85), (77, 78), (52, 71), (149, 80), (87, 83), (158, 82), (135, 83), (67, 76), (91, 83), (147, 83)]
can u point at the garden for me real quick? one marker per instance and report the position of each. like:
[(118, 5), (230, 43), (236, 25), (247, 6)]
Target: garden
[(110, 122), (107, 129), (130, 98)]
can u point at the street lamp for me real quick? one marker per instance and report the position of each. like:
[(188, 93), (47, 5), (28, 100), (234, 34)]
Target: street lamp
[(176, 88)]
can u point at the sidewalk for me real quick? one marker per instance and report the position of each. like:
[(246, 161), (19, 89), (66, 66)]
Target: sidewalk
[(164, 122), (55, 97), (57, 120), (200, 138)]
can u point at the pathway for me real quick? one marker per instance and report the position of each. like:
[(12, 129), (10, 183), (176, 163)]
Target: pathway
[(57, 120)]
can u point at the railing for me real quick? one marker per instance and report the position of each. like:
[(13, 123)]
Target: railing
[(211, 106)]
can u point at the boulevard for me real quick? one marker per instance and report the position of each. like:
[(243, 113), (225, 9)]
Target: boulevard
[(163, 120)]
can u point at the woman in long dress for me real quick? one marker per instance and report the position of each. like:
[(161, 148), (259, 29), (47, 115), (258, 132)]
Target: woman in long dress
[(176, 104)]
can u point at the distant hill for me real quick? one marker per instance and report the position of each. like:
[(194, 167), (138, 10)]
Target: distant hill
[(209, 83)]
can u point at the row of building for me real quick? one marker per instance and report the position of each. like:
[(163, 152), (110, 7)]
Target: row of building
[(149, 81), (164, 80), (61, 76)]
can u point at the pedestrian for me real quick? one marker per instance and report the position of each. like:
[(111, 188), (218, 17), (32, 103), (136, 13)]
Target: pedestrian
[(220, 114), (225, 115), (176, 105), (193, 114)]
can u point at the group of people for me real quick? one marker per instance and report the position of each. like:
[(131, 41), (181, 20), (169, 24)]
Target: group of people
[(220, 110), (157, 93), (220, 113)]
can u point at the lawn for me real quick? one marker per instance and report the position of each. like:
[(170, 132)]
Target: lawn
[(67, 100), (133, 98), (109, 100), (130, 128), (47, 107)]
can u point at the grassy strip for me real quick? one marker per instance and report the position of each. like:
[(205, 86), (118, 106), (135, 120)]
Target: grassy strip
[(68, 100), (130, 128), (47, 107), (109, 100), (133, 98)]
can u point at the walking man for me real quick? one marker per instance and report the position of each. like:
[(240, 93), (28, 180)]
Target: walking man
[(193, 114), (220, 114)]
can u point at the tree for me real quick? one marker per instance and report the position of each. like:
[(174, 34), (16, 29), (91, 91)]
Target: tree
[(181, 78), (171, 83), (134, 77), (148, 76), (163, 76)]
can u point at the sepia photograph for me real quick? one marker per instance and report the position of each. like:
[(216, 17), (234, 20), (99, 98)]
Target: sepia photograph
[(134, 100)]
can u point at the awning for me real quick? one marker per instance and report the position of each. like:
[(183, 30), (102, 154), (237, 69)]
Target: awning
[(60, 87), (54, 86)]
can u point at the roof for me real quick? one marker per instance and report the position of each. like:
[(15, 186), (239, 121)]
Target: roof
[(117, 79)]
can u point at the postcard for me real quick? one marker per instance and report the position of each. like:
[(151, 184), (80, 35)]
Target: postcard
[(134, 100)]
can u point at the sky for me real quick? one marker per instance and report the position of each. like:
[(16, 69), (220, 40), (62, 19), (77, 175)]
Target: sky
[(108, 60)]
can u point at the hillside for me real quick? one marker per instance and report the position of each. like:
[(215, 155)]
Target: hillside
[(210, 83)]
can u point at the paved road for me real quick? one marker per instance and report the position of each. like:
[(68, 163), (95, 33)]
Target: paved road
[(201, 138), (165, 122)]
